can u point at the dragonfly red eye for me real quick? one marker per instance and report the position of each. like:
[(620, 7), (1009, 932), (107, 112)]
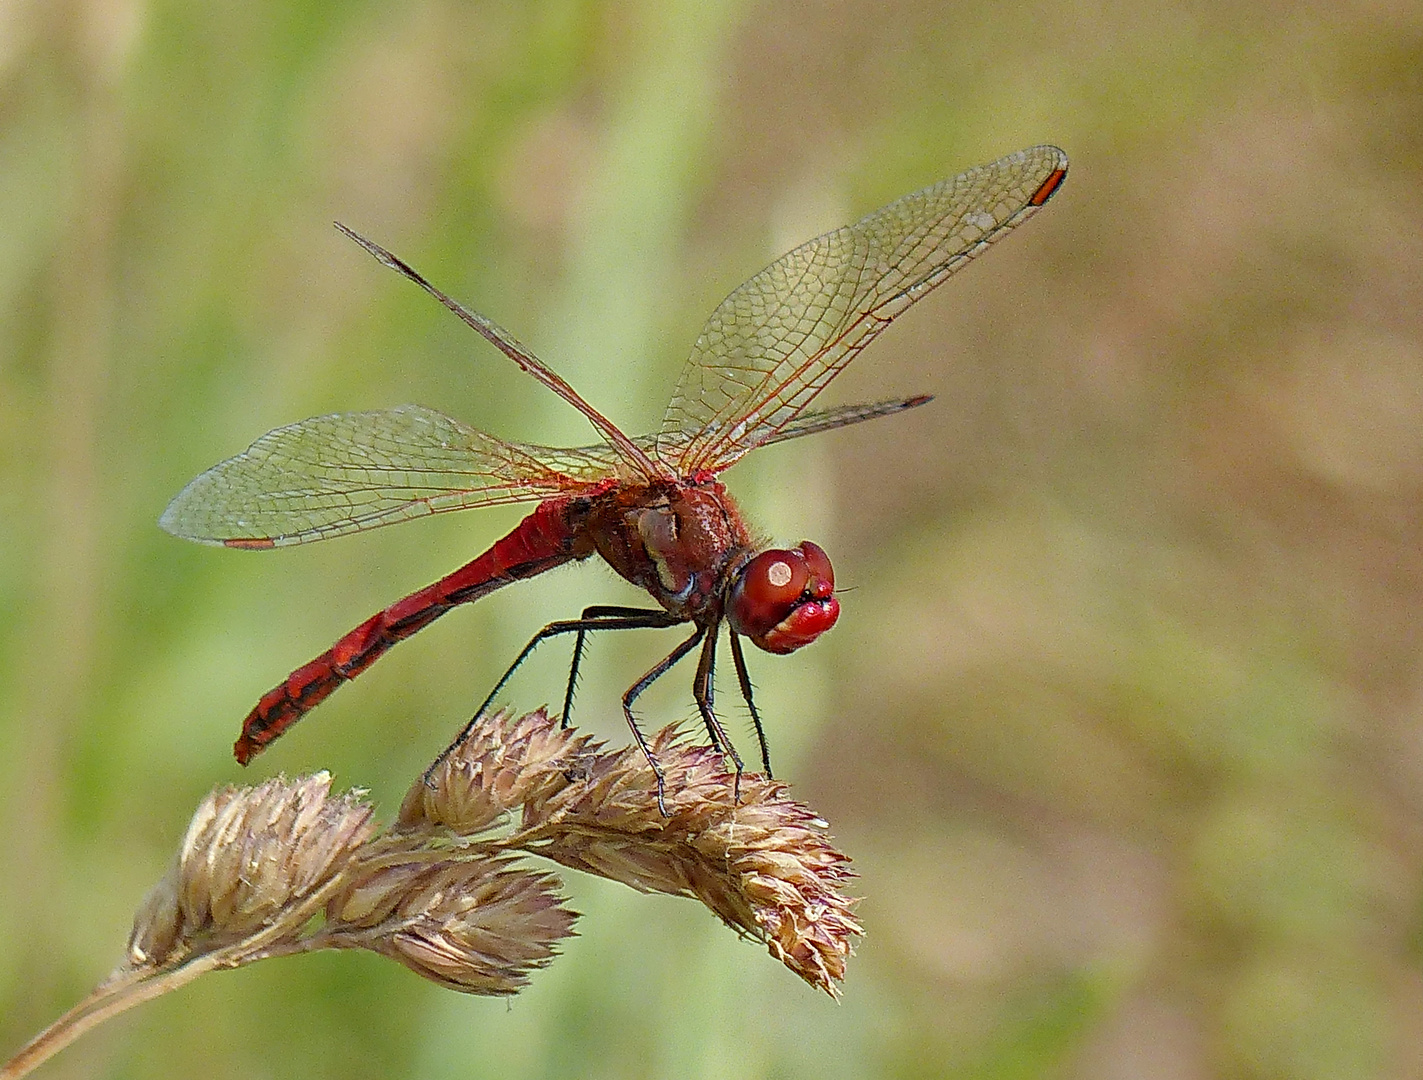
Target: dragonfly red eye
[(785, 599)]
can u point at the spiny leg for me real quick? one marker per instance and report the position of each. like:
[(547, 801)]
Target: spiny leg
[(710, 682), (598, 611), (636, 619), (635, 691), (703, 691), (706, 676), (745, 679)]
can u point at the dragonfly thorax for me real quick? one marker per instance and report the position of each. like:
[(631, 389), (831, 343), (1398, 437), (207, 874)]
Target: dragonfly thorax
[(681, 542)]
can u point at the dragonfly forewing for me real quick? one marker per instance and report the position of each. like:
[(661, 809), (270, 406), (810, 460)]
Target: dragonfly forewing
[(778, 339)]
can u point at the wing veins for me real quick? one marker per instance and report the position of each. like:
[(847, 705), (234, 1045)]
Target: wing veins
[(732, 400), (343, 473)]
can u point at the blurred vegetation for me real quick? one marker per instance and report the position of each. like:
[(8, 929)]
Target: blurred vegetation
[(1123, 722)]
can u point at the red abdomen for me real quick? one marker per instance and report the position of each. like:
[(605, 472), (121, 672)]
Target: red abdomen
[(550, 536)]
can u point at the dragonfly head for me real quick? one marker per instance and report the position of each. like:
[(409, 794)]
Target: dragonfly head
[(783, 599)]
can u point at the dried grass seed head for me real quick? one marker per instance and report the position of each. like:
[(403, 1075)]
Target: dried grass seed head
[(504, 763), (248, 854), (479, 926), (764, 865)]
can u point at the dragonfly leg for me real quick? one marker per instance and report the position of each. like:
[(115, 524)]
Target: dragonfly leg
[(599, 612), (635, 691), (635, 619), (703, 690), (745, 679), (709, 681)]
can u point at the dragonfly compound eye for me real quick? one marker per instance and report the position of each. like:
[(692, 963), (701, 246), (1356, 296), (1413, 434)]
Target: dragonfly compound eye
[(785, 599)]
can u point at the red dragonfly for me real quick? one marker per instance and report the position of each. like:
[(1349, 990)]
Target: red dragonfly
[(651, 506)]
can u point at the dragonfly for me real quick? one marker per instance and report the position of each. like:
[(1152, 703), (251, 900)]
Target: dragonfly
[(653, 507)]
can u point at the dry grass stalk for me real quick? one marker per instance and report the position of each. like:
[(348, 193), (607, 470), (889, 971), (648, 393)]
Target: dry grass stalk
[(447, 892)]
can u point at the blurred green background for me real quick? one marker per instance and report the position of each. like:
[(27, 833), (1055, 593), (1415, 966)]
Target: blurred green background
[(1123, 721)]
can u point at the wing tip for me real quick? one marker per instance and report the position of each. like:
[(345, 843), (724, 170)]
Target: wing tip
[(1048, 188), (1056, 164), (171, 522)]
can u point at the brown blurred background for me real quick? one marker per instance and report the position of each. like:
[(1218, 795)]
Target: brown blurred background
[(1123, 721)]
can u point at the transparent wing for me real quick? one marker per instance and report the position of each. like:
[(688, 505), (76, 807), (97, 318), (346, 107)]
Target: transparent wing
[(814, 421), (807, 423), (352, 471), (634, 457), (772, 345)]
